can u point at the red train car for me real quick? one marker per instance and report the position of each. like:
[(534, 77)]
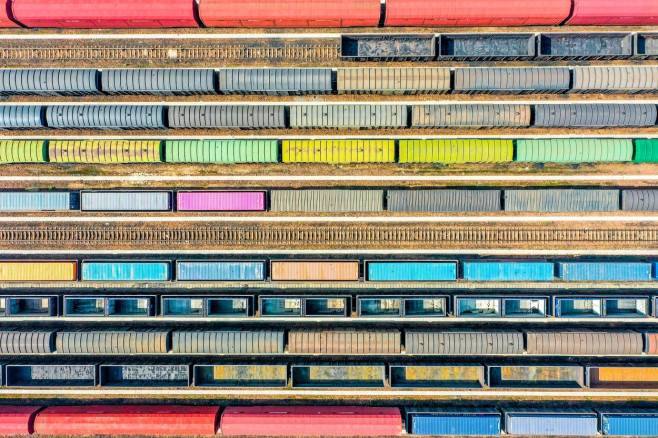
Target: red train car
[(615, 12), (127, 420), (105, 14), (289, 13), (6, 18), (449, 13), (17, 419)]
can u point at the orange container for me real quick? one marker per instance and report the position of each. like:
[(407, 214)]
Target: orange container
[(314, 271), (38, 271), (623, 377)]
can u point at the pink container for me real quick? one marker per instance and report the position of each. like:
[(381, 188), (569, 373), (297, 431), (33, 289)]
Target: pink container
[(221, 201)]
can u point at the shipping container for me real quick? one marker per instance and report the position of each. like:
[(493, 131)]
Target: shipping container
[(639, 200), (311, 420), (35, 201), (207, 270), (411, 271), (507, 271), (338, 151), (646, 150), (220, 201), (604, 271), (393, 80), (17, 419), (159, 81), (646, 45), (348, 116), (444, 200), (49, 81), (207, 307), (535, 422), (561, 200), (22, 117), (590, 45), (622, 377), (228, 342), (127, 420), (125, 200), (280, 306), (227, 116), (90, 116), (456, 151), (511, 80), (13, 341), (423, 307), (296, 13), (535, 377), (436, 376), (113, 341), (626, 79), (611, 12), (344, 342), (23, 151), (314, 270), (221, 151), (388, 307), (338, 376), (144, 376), (36, 305), (38, 271), (629, 422), (105, 14), (56, 376), (594, 115), (275, 81), (241, 376), (388, 47), (104, 151), (477, 307), (463, 422), (583, 342), (464, 342), (487, 47), (574, 150), (473, 13), (326, 201), (125, 271), (467, 115), (525, 307)]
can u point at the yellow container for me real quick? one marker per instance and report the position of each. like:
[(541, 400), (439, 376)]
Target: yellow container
[(38, 271), (339, 151)]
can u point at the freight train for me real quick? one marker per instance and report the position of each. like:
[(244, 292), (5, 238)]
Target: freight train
[(325, 13)]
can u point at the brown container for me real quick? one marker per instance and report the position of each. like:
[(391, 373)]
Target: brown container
[(344, 342), (314, 271), (622, 377), (584, 342)]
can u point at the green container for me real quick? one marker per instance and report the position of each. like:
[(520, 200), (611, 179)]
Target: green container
[(456, 151), (19, 151), (222, 151), (574, 150), (646, 151)]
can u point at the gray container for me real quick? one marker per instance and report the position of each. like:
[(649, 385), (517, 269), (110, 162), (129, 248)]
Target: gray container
[(338, 376), (639, 200), (444, 200), (487, 47), (424, 307), (348, 116), (456, 115), (327, 201), (275, 81), (436, 376), (393, 80), (144, 376), (583, 342), (110, 342), (241, 376), (511, 80), (44, 376), (561, 200), (646, 45), (464, 342), (228, 342), (227, 116), (130, 306), (159, 81), (536, 376), (106, 116), (590, 45), (344, 341), (125, 201), (22, 117), (624, 79), (49, 81), (393, 47), (594, 115), (30, 306), (14, 341)]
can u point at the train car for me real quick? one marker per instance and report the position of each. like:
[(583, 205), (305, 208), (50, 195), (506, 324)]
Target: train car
[(38, 270), (613, 13), (451, 422), (17, 419), (23, 151)]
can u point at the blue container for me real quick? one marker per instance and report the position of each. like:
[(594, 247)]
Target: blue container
[(572, 424), (125, 271), (221, 271), (654, 270), (467, 423), (33, 201), (412, 271), (604, 271), (630, 424), (508, 271)]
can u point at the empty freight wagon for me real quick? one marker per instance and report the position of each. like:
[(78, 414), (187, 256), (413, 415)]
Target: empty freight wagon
[(207, 307), (622, 377), (53, 376), (540, 376), (29, 306), (144, 375)]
